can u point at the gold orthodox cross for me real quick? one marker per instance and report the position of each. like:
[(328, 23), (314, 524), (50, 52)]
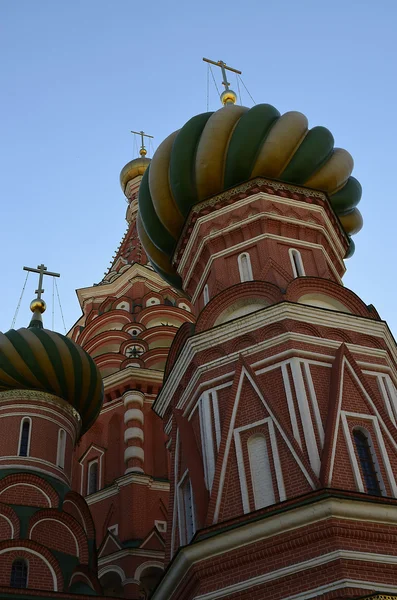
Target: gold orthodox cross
[(224, 67), (42, 270), (143, 150)]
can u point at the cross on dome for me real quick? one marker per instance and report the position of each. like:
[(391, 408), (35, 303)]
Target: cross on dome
[(142, 150), (228, 96)]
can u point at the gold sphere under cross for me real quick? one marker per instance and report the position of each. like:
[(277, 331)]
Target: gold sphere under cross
[(38, 304), (228, 97)]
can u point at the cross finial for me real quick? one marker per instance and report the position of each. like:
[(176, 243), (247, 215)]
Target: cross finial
[(38, 306), (142, 150), (227, 96)]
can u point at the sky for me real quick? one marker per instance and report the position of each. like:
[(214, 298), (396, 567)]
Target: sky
[(77, 76)]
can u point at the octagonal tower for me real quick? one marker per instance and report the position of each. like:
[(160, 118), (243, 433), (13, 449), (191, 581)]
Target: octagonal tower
[(280, 401)]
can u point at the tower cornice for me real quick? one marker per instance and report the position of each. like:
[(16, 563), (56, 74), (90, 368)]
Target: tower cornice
[(267, 316)]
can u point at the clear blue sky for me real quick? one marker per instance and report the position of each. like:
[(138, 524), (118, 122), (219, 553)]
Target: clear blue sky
[(76, 76)]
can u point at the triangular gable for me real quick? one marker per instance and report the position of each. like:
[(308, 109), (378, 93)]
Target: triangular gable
[(153, 541), (109, 545), (96, 448), (347, 378), (244, 373)]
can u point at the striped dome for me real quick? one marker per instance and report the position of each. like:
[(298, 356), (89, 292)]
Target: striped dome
[(38, 359), (216, 151)]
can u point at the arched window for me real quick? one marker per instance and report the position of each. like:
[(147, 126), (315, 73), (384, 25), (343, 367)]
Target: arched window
[(296, 262), (244, 267), (206, 294), (19, 573), (261, 475), (92, 477), (367, 462), (61, 448), (24, 437)]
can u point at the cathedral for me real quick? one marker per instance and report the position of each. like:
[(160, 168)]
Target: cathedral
[(221, 421)]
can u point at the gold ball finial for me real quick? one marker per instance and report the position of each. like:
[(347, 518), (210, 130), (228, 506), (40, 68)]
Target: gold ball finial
[(38, 304), (143, 151), (228, 97)]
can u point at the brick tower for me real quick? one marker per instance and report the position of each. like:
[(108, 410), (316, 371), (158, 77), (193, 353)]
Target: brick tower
[(280, 401), (129, 321), (50, 393)]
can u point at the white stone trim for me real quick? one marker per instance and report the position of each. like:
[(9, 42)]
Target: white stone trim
[(275, 525), (324, 559), (10, 524), (175, 509), (112, 569), (207, 441), (146, 565), (133, 396), (133, 433), (36, 487), (270, 315), (134, 452), (244, 373), (290, 400), (133, 414), (305, 415), (59, 521), (313, 398)]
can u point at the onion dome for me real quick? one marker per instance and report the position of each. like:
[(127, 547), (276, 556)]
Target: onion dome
[(34, 358), (132, 170), (219, 150)]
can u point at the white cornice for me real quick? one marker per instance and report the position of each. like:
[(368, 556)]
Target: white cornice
[(130, 372), (119, 285), (272, 526), (290, 241), (267, 316), (129, 479), (156, 554), (274, 199)]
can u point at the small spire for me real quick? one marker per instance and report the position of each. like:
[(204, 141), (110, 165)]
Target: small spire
[(38, 306), (227, 96), (142, 150)]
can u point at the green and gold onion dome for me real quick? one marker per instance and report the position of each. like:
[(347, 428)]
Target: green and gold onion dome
[(215, 151), (34, 358)]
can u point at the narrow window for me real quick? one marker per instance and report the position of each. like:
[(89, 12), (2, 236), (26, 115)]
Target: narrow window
[(187, 506), (297, 264), (206, 294), (24, 437), (92, 477), (366, 462), (19, 573), (61, 448), (244, 267), (261, 475)]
